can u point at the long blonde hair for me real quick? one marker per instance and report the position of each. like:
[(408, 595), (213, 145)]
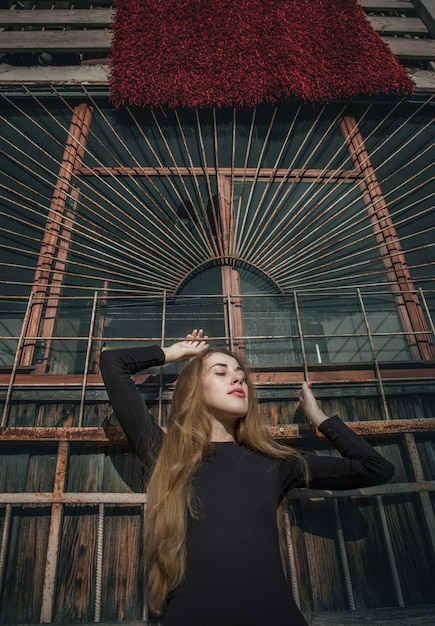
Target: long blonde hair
[(170, 493)]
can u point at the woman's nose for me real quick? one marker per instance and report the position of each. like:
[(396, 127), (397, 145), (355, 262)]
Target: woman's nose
[(238, 377)]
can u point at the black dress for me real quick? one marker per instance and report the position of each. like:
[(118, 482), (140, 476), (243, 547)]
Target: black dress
[(234, 575)]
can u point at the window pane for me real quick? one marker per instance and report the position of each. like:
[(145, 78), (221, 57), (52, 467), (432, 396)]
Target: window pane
[(11, 319)]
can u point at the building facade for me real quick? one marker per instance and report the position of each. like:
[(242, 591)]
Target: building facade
[(302, 238)]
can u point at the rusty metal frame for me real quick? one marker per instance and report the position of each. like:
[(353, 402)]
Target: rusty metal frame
[(72, 157), (408, 306)]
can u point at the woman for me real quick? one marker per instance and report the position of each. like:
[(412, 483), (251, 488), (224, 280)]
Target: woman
[(218, 478)]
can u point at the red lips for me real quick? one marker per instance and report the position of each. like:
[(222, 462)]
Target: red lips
[(238, 392)]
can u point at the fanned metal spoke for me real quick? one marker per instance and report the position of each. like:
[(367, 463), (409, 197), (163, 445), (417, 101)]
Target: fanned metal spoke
[(146, 216)]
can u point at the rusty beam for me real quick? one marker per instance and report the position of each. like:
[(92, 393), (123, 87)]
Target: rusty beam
[(129, 499), (301, 175), (72, 158), (116, 436), (408, 305)]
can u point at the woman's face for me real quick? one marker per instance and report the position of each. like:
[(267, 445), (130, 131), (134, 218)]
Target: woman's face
[(224, 387)]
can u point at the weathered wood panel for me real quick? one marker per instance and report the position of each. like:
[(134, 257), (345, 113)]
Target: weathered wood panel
[(98, 469), (386, 5), (25, 564), (314, 534), (56, 41), (411, 49), (366, 552), (123, 565), (77, 17), (75, 589), (398, 25), (414, 559)]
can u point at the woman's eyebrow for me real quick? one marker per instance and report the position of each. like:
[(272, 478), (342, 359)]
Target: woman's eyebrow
[(238, 369)]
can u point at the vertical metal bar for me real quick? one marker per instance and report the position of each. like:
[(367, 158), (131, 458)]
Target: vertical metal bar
[(375, 359), (238, 212), (48, 592), (230, 321), (217, 241), (200, 225), (344, 561), (426, 505), (233, 239), (292, 560), (301, 337), (99, 566), (245, 243), (16, 360), (88, 357), (162, 343), (428, 314), (390, 552), (145, 575), (3, 547)]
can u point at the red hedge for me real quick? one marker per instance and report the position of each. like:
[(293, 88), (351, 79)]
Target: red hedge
[(203, 53)]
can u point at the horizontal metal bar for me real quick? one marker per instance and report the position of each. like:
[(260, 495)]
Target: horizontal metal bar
[(73, 498), (378, 490), (125, 499), (243, 173), (116, 436)]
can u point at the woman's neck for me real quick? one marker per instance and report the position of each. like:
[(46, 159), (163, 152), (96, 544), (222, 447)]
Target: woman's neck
[(222, 431)]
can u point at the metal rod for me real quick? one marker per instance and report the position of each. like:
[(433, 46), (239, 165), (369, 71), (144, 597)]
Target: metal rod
[(162, 344), (244, 241), (301, 337), (390, 552), (425, 500), (16, 361), (428, 314), (99, 564), (195, 172), (291, 560), (4, 543), (230, 321), (136, 499), (87, 359), (344, 561), (238, 210), (375, 358)]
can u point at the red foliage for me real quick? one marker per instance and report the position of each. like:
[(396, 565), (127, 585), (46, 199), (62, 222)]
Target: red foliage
[(204, 53)]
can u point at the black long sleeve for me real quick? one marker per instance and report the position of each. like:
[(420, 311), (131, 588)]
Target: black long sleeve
[(359, 466), (117, 367)]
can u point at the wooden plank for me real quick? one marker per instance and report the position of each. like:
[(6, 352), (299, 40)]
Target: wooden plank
[(411, 49), (398, 25), (386, 5), (56, 75), (78, 17), (424, 80), (99, 73), (56, 41)]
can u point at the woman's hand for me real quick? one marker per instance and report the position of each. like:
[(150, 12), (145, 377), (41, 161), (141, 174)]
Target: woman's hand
[(194, 344), (309, 405)]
